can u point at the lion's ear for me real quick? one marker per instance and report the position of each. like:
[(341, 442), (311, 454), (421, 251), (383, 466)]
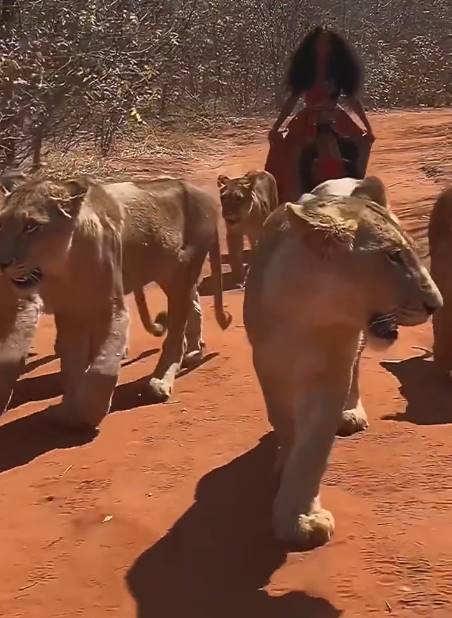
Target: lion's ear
[(319, 229), (247, 184), (222, 181), (77, 189), (372, 188)]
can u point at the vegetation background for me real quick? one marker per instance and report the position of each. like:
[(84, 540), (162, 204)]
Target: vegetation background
[(92, 76)]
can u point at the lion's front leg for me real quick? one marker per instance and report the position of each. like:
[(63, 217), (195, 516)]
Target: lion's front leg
[(173, 349), (18, 321), (107, 352), (354, 417), (91, 351), (318, 398), (234, 239), (193, 333), (73, 347)]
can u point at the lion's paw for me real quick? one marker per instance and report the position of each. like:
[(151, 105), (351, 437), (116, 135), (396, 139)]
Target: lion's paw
[(306, 531), (353, 421), (315, 529), (160, 390)]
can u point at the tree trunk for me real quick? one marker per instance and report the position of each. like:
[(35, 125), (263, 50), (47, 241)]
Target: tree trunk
[(36, 148)]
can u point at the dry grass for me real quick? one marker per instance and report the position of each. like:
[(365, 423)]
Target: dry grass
[(154, 149)]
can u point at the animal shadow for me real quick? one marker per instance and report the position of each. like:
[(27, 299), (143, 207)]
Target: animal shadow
[(427, 393), (146, 354), (36, 388), (48, 386), (216, 559), (126, 396), (24, 439), (137, 394), (38, 362)]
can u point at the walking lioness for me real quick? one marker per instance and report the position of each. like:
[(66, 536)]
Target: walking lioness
[(81, 246), (323, 268), (245, 204)]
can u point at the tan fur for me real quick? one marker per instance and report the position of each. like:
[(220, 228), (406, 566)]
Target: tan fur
[(19, 318), (246, 203), (354, 416), (440, 242), (321, 270), (74, 238), (165, 228)]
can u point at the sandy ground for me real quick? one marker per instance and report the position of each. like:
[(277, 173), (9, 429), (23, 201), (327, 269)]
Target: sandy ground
[(167, 512)]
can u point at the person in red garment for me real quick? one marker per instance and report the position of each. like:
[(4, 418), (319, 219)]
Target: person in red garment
[(324, 140)]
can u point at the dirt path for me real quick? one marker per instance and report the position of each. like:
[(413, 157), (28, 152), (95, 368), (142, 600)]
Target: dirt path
[(166, 513)]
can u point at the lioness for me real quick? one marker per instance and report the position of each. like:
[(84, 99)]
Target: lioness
[(246, 202), (56, 240), (440, 243), (322, 270), (18, 320), (167, 228)]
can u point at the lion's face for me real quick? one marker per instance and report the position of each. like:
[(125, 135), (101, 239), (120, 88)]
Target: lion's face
[(236, 196), (374, 260), (36, 225)]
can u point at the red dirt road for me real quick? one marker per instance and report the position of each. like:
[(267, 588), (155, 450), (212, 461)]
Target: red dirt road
[(166, 513)]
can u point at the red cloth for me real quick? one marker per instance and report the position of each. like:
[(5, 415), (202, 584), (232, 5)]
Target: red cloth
[(283, 160)]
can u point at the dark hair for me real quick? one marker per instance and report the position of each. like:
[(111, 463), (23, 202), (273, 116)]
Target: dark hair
[(344, 67)]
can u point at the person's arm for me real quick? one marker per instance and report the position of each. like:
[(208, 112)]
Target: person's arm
[(356, 106), (285, 112)]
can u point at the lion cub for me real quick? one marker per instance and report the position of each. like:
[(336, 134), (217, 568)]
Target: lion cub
[(245, 202)]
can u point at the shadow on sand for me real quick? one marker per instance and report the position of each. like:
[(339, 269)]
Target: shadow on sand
[(428, 394), (220, 554), (28, 437), (24, 439)]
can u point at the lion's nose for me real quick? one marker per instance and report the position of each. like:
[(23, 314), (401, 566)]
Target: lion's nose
[(430, 308)]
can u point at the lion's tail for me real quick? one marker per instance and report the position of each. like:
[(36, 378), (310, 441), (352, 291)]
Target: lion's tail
[(159, 325)]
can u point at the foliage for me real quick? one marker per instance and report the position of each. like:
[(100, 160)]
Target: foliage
[(80, 70)]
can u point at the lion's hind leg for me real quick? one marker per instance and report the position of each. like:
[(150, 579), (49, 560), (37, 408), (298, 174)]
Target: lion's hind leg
[(193, 333), (354, 416), (174, 346), (274, 375)]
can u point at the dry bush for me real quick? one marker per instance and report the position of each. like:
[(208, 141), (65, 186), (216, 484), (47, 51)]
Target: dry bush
[(86, 73)]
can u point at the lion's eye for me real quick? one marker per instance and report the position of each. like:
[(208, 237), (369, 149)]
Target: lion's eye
[(396, 257), (31, 226)]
